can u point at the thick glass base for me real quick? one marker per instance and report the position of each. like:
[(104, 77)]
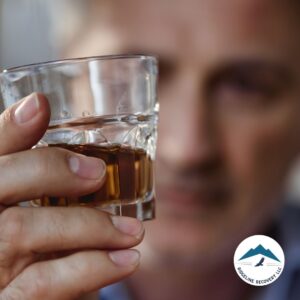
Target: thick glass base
[(142, 210)]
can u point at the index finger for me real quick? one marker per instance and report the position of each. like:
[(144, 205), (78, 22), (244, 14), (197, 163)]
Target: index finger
[(24, 123)]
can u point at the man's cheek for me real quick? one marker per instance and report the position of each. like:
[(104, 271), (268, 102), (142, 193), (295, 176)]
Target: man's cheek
[(241, 154), (257, 162)]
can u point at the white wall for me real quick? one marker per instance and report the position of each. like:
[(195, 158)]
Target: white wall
[(24, 32)]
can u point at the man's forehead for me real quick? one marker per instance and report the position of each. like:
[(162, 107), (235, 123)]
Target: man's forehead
[(137, 10), (193, 18), (159, 26)]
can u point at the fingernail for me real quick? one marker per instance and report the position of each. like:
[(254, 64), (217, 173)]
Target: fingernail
[(125, 258), (87, 167), (27, 109), (130, 226)]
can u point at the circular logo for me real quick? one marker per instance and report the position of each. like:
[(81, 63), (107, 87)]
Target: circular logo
[(259, 260)]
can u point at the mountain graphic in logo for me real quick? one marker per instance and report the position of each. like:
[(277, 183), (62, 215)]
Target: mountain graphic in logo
[(259, 250)]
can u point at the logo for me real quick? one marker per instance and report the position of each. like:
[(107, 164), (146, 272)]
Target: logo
[(259, 260)]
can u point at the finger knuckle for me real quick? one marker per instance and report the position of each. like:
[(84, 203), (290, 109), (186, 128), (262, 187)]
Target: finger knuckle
[(43, 163), (102, 220), (12, 293), (40, 283), (11, 229), (5, 117), (83, 265), (33, 285), (11, 225), (47, 160), (7, 163)]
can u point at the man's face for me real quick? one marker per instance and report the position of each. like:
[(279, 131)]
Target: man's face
[(229, 110)]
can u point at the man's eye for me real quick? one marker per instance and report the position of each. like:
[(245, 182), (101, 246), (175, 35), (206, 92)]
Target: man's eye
[(243, 90), (248, 83), (249, 86)]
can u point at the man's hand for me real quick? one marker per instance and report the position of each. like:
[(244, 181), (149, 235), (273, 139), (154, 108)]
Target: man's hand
[(54, 253)]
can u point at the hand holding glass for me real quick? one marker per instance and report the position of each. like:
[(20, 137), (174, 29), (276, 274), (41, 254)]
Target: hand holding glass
[(104, 107)]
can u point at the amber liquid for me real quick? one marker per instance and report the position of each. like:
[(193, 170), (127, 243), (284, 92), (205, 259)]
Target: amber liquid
[(129, 177)]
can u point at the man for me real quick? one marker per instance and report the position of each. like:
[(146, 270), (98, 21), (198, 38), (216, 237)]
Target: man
[(228, 133)]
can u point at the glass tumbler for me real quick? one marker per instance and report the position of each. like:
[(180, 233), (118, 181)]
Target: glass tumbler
[(104, 107)]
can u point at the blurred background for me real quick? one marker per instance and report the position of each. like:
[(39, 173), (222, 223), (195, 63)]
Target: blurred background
[(38, 30), (25, 34)]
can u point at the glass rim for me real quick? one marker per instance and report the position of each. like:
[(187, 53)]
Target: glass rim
[(78, 60)]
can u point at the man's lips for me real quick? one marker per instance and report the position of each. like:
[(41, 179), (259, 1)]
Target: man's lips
[(192, 192), (200, 196)]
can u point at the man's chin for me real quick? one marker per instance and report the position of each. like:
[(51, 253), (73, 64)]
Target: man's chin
[(184, 240)]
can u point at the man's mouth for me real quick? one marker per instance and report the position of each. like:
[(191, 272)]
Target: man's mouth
[(192, 193)]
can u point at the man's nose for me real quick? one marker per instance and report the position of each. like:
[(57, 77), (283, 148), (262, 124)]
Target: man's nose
[(187, 127)]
